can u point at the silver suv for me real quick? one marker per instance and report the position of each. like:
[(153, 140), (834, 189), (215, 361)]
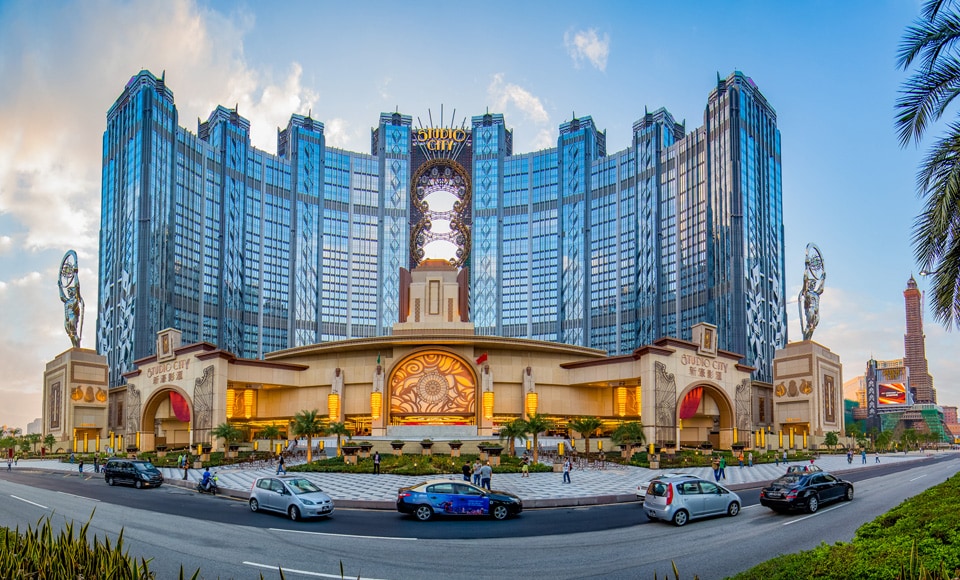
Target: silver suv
[(298, 497), (681, 499)]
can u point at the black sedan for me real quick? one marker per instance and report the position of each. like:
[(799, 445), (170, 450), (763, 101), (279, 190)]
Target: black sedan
[(804, 491), (456, 498)]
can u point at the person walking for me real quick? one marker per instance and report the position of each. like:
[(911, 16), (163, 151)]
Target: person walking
[(784, 455), (376, 463), (877, 455), (486, 474), (723, 466), (525, 467), (740, 458), (776, 458), (9, 464), (476, 472), (716, 468), (750, 459), (863, 456), (567, 466), (80, 466), (280, 466), (467, 471), (96, 464), (186, 464)]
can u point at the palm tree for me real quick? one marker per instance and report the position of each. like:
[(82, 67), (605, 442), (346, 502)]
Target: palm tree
[(270, 432), (586, 426), (49, 441), (308, 424), (629, 434), (516, 429), (536, 424), (883, 439), (34, 439), (229, 432), (924, 98), (338, 429)]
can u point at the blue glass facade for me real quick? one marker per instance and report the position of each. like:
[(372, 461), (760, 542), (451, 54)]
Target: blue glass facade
[(257, 252)]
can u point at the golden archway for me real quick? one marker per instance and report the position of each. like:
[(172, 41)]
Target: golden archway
[(167, 414), (714, 415), (433, 387)]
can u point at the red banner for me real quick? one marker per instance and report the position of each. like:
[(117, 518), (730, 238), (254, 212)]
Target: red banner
[(690, 403), (180, 407)]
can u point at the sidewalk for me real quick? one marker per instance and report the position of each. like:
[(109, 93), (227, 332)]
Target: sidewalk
[(588, 487)]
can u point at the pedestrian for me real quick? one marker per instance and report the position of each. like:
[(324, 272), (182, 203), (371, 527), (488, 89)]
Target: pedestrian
[(784, 455), (9, 464), (567, 466), (603, 460), (740, 458), (723, 466), (376, 463), (281, 467), (716, 468), (80, 466), (467, 470), (96, 464), (877, 455), (486, 474), (476, 472), (863, 456), (186, 468), (776, 458), (72, 458), (750, 459), (525, 467)]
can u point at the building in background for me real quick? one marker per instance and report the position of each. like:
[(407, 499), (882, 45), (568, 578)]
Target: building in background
[(256, 253), (914, 347)]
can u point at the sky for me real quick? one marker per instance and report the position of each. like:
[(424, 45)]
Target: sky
[(827, 68)]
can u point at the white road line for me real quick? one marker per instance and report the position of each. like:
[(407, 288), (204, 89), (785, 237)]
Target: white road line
[(838, 506), (78, 496), (339, 535), (916, 478), (30, 502), (304, 572)]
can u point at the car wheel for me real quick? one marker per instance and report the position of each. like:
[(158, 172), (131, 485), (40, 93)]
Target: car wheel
[(848, 496), (109, 481), (254, 504), (733, 509), (813, 504), (680, 518), (500, 512), (138, 484), (294, 513), (423, 513)]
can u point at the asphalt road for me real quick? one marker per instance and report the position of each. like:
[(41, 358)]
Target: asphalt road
[(224, 539)]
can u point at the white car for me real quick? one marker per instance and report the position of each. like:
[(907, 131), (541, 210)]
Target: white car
[(643, 485), (295, 496)]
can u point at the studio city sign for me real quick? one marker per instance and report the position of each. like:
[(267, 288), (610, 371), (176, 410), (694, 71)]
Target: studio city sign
[(707, 363), (441, 139)]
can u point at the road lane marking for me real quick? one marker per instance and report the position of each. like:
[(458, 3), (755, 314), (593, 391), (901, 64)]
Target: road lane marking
[(304, 572), (78, 496), (838, 506), (920, 477), (338, 535), (30, 502)]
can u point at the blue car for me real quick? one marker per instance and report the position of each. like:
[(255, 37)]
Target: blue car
[(456, 498)]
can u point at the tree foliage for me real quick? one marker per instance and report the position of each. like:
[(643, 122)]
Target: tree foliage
[(586, 426)]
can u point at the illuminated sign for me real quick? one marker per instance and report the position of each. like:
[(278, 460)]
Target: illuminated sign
[(442, 139), (892, 393)]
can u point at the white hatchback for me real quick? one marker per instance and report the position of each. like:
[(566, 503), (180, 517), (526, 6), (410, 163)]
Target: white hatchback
[(681, 499), (295, 496)]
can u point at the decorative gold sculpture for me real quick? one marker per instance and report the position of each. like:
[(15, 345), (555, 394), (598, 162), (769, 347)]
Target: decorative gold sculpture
[(69, 284)]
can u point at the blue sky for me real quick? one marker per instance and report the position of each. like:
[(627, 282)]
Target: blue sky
[(827, 68)]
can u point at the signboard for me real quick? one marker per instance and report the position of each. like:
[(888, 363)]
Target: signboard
[(892, 394)]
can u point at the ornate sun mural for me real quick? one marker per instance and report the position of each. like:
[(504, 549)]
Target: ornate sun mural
[(433, 383)]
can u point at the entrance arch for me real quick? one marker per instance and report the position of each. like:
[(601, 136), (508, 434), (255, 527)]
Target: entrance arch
[(712, 418), (167, 414), (433, 387)]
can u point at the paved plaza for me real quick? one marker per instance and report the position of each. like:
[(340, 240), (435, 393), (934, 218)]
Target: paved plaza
[(588, 486)]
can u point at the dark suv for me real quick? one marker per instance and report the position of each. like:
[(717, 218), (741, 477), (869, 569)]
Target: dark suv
[(131, 471)]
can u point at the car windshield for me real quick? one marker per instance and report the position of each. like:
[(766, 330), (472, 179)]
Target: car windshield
[(788, 480), (301, 486), (144, 466)]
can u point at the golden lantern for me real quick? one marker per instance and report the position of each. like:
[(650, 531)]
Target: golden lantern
[(532, 402), (248, 403), (621, 394), (333, 406), (231, 394), (488, 404), (376, 404)]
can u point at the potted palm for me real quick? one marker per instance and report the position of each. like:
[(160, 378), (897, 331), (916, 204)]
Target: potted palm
[(426, 446), (397, 446), (455, 446)]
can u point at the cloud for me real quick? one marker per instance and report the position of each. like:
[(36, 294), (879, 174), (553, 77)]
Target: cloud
[(587, 45), (503, 94)]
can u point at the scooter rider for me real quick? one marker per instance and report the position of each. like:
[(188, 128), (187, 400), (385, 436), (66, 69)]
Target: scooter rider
[(206, 482)]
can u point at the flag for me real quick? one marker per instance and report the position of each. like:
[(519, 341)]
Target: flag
[(482, 359)]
